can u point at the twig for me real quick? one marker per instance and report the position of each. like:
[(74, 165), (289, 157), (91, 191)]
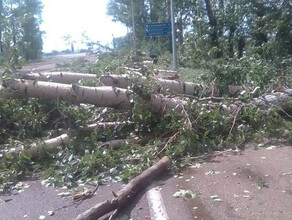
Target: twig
[(187, 118), (115, 214), (216, 99), (88, 195), (213, 84), (134, 159), (210, 155), (167, 143), (58, 108), (286, 113), (234, 120), (73, 202)]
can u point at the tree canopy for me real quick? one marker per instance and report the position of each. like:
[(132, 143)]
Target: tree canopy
[(20, 35), (230, 27)]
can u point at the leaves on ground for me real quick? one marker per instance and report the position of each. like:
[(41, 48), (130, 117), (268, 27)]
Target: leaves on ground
[(189, 194)]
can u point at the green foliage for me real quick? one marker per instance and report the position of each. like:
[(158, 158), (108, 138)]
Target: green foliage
[(112, 63), (80, 65), (13, 168), (21, 119), (20, 36), (12, 60)]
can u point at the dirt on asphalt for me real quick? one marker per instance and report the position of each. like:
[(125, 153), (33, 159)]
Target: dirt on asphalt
[(256, 184)]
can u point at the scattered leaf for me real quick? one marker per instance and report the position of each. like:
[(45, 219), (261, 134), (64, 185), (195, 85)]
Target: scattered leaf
[(184, 193)]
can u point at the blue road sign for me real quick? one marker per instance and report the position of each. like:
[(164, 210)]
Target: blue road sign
[(158, 29)]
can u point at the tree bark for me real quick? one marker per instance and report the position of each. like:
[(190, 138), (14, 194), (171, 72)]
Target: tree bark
[(230, 40), (124, 196), (104, 96), (282, 99), (240, 46), (60, 77), (178, 87), (100, 96), (213, 24), (1, 25), (48, 146)]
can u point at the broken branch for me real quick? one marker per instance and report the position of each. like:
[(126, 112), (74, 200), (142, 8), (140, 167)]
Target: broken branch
[(125, 195)]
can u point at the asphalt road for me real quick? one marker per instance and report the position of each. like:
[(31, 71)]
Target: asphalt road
[(255, 184)]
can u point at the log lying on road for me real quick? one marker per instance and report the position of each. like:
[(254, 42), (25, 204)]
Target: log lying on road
[(105, 96), (48, 146), (60, 77), (174, 86), (124, 196)]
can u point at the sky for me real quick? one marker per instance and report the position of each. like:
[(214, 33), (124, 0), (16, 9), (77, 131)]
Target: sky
[(62, 17)]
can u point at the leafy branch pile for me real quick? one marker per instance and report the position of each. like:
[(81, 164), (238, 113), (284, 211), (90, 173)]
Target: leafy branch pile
[(108, 143)]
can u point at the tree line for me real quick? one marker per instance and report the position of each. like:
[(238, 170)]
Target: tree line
[(20, 34), (228, 27)]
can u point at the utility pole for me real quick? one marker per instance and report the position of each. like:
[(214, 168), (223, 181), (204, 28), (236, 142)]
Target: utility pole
[(174, 58), (133, 27), (1, 12)]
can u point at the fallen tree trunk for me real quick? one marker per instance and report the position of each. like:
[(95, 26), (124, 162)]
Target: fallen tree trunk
[(48, 146), (60, 77), (99, 96), (160, 104), (104, 96), (282, 99), (121, 81), (174, 86), (124, 196)]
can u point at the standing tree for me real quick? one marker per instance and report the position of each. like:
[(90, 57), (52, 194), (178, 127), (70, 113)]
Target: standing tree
[(69, 42), (20, 35), (32, 36), (1, 20)]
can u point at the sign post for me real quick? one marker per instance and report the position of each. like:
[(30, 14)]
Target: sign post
[(174, 58), (165, 29), (158, 29), (134, 31)]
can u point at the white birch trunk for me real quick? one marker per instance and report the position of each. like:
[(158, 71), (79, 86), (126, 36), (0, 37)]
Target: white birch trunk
[(60, 77), (174, 86), (48, 146), (104, 96)]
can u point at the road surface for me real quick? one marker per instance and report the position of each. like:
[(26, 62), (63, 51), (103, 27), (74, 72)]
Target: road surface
[(255, 184)]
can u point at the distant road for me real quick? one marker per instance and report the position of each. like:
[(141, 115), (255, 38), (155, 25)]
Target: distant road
[(49, 63)]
